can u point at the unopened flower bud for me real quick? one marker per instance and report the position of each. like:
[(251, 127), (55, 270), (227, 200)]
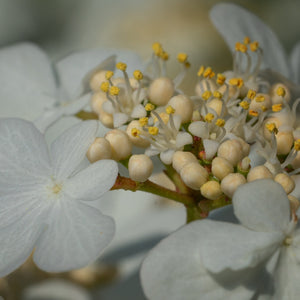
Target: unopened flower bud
[(294, 203), (120, 144), (211, 190), (231, 150), (245, 164), (161, 90), (285, 141), (285, 181), (216, 105), (96, 80), (183, 106), (221, 167), (136, 140), (100, 149), (231, 182), (140, 167), (194, 175), (261, 102), (106, 119), (259, 172), (279, 92), (273, 120), (245, 146), (181, 158)]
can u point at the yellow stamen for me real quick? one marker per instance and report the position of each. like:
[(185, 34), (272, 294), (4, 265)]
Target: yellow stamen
[(220, 79), (170, 110), (244, 104), (138, 75), (253, 113), (206, 95), (220, 122), (153, 130), (143, 121), (247, 40), (208, 71), (164, 55), (209, 117), (109, 75), (114, 91), (254, 46), (157, 48), (251, 94), (182, 57), (135, 132), (200, 71), (217, 95), (104, 86), (272, 127), (280, 91), (277, 107), (121, 66), (236, 82), (260, 98), (149, 107), (297, 145)]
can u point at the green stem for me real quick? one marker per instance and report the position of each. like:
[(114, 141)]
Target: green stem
[(176, 179)]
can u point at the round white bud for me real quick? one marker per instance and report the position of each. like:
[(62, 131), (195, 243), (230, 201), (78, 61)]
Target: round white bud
[(140, 167), (183, 106), (231, 150), (100, 149), (120, 144), (259, 172), (181, 158), (107, 119), (221, 167), (285, 181), (216, 105), (136, 139), (211, 190), (245, 146), (96, 80), (194, 175), (231, 182), (161, 90), (277, 99), (261, 102), (285, 141), (276, 121)]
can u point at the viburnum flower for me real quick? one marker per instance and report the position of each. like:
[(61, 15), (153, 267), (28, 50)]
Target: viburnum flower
[(44, 194), (208, 259)]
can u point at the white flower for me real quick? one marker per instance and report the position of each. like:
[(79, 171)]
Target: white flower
[(43, 198), (256, 259), (32, 83)]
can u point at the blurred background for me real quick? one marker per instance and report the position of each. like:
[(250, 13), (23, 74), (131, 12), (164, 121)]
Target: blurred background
[(61, 27)]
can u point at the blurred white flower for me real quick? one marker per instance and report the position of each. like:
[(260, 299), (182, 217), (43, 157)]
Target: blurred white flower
[(43, 198), (256, 259)]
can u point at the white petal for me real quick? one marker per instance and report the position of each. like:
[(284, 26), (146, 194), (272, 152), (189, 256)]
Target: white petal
[(295, 63), (151, 151), (234, 23), (210, 147), (177, 121), (199, 129), (108, 107), (77, 105), (76, 236), (27, 81), (183, 138), (119, 119), (70, 148), (24, 157), (139, 111), (92, 182), (167, 156), (262, 205), (231, 246), (47, 118)]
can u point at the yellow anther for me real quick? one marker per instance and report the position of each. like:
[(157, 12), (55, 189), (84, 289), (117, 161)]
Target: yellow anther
[(201, 71), (253, 113), (170, 110), (135, 132), (149, 107), (240, 47), (239, 82), (206, 95), (182, 57), (247, 40), (260, 98), (280, 91), (212, 74), (209, 117), (104, 86), (157, 48), (251, 94), (217, 94), (244, 104), (164, 55), (237, 46), (121, 66), (138, 75), (220, 122), (109, 75), (207, 72), (153, 130), (143, 121), (114, 91), (254, 46), (221, 79), (297, 145), (272, 127), (164, 116), (263, 108), (277, 107)]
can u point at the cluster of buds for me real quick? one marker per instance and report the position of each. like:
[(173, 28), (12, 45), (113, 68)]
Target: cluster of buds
[(206, 139)]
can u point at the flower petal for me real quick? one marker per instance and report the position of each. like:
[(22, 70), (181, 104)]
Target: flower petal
[(183, 138), (27, 81), (210, 147), (24, 157), (92, 182), (70, 148), (199, 129), (167, 156), (234, 23), (75, 237), (138, 111), (120, 119), (295, 63), (262, 205)]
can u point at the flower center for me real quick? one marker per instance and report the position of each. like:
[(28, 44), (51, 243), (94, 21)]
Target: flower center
[(56, 188), (288, 241)]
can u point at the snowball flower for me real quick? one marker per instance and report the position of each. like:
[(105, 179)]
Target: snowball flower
[(255, 259), (43, 198)]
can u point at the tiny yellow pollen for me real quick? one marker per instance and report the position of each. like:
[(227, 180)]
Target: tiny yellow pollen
[(253, 113), (244, 104), (104, 86), (121, 66), (170, 110), (207, 72), (280, 91), (236, 82), (247, 40), (221, 79), (254, 46), (201, 71), (220, 122), (260, 98), (143, 121), (135, 132), (297, 145), (182, 57), (209, 117), (251, 94), (243, 48), (138, 75), (277, 107), (157, 48), (114, 91), (153, 130), (237, 46), (109, 75), (272, 127), (217, 94), (206, 95), (149, 107)]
